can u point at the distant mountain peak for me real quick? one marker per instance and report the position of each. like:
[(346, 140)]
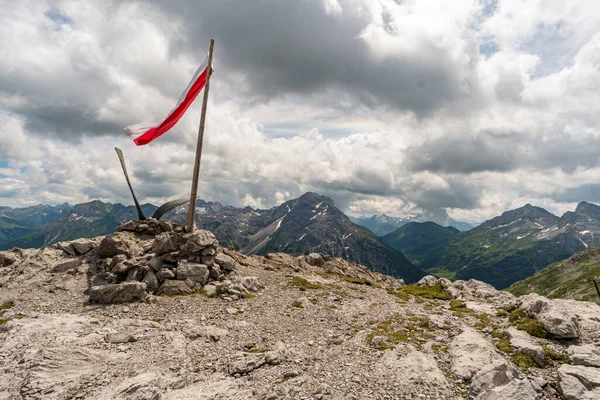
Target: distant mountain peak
[(589, 209)]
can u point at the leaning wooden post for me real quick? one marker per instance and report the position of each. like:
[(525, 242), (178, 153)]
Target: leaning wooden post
[(194, 194)]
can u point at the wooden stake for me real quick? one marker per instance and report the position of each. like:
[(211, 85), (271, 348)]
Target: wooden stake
[(194, 194)]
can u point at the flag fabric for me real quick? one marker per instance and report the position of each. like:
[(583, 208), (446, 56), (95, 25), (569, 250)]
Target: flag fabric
[(144, 133)]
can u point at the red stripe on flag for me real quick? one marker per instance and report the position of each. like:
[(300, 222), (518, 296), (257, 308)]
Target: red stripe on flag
[(176, 115)]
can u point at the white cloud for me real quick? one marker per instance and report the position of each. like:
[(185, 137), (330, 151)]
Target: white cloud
[(394, 109)]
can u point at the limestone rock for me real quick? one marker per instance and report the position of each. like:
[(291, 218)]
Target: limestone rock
[(198, 240), (470, 353), (151, 281), (250, 283), (587, 355), (555, 320), (166, 243), (521, 342), (226, 262), (119, 337), (491, 376), (165, 274), (103, 278), (246, 363), (428, 280), (449, 287), (210, 290), (415, 368), (118, 293), (7, 258), (194, 272), (66, 265), (83, 246), (314, 259), (173, 287), (210, 332), (577, 382), (118, 243)]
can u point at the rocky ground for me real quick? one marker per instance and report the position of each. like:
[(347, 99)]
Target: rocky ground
[(318, 328)]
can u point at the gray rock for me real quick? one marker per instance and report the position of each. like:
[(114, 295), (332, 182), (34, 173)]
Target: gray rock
[(136, 274), (103, 278), (521, 342), (118, 293), (555, 320), (577, 382), (165, 274), (209, 251), (314, 259), (587, 355), (449, 287), (7, 258), (194, 272), (491, 376), (210, 332), (166, 243), (119, 338), (199, 240), (470, 352), (66, 247), (428, 280), (250, 283), (210, 290), (151, 281), (226, 262), (118, 243), (246, 363), (66, 265), (155, 263), (173, 287), (83, 246)]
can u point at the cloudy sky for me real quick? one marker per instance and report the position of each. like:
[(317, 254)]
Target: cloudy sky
[(464, 108)]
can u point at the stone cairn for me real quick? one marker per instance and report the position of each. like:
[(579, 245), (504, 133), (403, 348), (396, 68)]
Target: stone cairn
[(159, 257)]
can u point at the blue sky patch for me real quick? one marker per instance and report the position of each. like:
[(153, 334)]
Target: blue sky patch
[(57, 16)]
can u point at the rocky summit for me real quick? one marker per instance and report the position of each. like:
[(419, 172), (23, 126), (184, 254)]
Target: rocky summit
[(153, 312)]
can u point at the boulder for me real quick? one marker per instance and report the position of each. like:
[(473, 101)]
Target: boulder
[(66, 265), (415, 368), (449, 287), (428, 280), (250, 283), (576, 382), (587, 355), (192, 271), (7, 258), (226, 262), (83, 246), (155, 263), (167, 242), (491, 376), (314, 259), (118, 243), (199, 240), (521, 342), (118, 293), (554, 319), (151, 281), (165, 273), (470, 352), (136, 274), (210, 290), (103, 278), (173, 287)]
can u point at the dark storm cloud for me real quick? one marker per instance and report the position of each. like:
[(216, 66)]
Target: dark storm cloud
[(296, 47), (490, 151)]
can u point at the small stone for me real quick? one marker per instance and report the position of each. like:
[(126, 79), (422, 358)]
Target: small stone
[(232, 310), (210, 290), (174, 287), (118, 293), (198, 240), (226, 262), (119, 338), (165, 274), (428, 280), (166, 242), (151, 281), (194, 272), (64, 266)]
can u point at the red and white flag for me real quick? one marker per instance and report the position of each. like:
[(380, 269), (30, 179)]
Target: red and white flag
[(144, 133)]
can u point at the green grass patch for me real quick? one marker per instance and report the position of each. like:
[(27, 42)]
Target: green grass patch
[(484, 321), (459, 308), (421, 292), (519, 318), (502, 314), (439, 348), (357, 281), (337, 342), (297, 304), (304, 284), (560, 358), (7, 304), (257, 351), (522, 361)]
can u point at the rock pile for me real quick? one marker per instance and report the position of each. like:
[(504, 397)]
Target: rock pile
[(159, 257)]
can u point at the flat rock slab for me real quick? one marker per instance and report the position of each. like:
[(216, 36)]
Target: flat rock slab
[(118, 293), (470, 353), (587, 355), (577, 382)]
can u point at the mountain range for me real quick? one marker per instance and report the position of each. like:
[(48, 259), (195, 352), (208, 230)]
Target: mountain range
[(516, 244), (500, 251), (381, 224), (310, 223)]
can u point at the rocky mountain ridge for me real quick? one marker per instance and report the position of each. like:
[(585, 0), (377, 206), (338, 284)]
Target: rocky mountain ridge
[(516, 244), (315, 328), (417, 240)]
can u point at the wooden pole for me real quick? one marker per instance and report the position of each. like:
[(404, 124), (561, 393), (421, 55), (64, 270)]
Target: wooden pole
[(194, 194)]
